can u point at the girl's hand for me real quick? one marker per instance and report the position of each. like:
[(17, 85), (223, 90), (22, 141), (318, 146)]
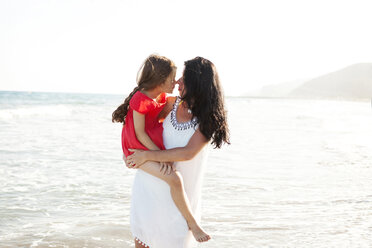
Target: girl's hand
[(136, 159), (167, 167)]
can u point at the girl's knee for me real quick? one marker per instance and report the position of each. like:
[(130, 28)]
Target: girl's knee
[(175, 180)]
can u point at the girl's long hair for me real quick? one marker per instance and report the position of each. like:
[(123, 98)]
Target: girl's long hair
[(153, 72), (205, 99)]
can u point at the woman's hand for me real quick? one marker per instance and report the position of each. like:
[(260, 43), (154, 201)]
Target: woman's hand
[(136, 159), (130, 165), (126, 161)]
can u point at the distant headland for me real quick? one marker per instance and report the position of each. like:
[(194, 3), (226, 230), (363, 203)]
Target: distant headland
[(352, 82)]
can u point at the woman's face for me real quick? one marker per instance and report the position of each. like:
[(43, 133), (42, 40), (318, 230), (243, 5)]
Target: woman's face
[(170, 82), (181, 87)]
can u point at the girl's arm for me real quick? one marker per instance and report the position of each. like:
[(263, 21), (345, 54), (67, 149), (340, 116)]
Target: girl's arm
[(167, 108), (143, 137), (139, 128), (196, 143)]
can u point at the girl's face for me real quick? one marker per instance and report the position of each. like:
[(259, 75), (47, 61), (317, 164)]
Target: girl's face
[(169, 83)]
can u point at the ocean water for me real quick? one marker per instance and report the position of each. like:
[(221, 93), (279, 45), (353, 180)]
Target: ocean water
[(297, 174)]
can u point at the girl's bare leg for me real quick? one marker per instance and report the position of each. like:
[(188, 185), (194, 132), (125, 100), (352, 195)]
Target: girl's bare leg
[(174, 180)]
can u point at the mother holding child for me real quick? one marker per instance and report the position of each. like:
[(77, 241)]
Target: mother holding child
[(158, 130)]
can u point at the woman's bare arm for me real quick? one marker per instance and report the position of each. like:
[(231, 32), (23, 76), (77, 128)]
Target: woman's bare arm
[(193, 147)]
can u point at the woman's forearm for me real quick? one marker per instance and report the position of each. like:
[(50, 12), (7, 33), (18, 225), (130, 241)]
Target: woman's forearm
[(174, 154), (193, 147)]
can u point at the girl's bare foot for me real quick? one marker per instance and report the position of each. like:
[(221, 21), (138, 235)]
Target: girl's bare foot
[(199, 233)]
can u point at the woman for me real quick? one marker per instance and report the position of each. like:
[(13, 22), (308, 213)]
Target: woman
[(142, 130), (196, 118)]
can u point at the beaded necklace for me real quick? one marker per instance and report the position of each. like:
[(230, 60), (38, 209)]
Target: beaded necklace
[(183, 125)]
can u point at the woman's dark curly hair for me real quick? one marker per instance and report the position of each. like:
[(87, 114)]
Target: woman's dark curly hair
[(205, 99), (154, 71)]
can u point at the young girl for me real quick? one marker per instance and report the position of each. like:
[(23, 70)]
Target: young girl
[(142, 129)]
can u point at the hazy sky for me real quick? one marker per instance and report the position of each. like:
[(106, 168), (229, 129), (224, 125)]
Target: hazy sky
[(98, 46)]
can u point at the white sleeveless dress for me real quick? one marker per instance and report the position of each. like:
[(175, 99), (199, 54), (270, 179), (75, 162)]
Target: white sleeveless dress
[(154, 218)]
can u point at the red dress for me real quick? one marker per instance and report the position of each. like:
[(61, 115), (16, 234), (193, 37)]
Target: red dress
[(154, 129)]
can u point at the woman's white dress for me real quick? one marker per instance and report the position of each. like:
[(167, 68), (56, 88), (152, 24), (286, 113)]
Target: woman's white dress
[(154, 218)]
